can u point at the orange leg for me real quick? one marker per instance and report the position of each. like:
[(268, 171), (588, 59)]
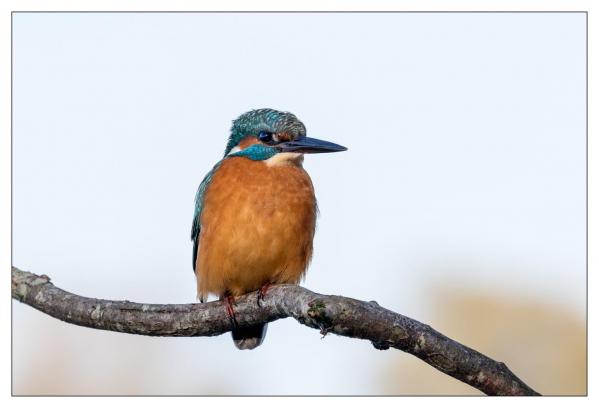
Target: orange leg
[(262, 292), (229, 302)]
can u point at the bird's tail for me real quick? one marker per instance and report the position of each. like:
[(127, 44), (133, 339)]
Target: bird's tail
[(249, 338)]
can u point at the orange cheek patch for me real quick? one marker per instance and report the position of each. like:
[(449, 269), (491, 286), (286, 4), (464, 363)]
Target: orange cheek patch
[(247, 142), (284, 137)]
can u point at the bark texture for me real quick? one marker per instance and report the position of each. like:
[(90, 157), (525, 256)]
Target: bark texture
[(329, 314)]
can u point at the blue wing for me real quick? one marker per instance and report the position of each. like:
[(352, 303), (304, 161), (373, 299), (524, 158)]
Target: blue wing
[(199, 201)]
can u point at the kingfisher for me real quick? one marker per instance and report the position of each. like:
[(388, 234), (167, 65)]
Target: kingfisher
[(255, 213)]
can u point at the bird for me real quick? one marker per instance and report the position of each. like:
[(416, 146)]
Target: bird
[(255, 213)]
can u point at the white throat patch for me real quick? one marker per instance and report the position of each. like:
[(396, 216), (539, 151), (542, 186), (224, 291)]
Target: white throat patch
[(234, 150), (285, 159)]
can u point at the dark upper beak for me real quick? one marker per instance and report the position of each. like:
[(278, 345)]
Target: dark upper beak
[(310, 145)]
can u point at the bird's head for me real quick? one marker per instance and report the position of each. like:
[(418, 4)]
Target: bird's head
[(263, 133)]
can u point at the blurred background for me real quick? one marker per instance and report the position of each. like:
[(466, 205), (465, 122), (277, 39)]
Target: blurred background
[(460, 202)]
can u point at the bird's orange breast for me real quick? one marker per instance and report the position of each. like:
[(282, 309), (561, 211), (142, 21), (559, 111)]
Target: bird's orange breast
[(257, 227)]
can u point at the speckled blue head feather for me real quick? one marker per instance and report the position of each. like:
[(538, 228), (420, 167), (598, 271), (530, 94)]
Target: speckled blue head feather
[(269, 120)]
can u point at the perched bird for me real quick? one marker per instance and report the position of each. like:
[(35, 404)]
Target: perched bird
[(255, 213)]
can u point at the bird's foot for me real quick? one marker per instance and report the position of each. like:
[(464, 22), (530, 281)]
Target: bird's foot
[(229, 302), (262, 292)]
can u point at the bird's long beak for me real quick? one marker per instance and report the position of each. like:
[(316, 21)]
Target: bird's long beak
[(310, 145)]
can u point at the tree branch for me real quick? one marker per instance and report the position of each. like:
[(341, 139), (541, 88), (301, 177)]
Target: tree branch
[(330, 314)]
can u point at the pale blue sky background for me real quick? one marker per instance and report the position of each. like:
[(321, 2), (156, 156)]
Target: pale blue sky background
[(465, 169)]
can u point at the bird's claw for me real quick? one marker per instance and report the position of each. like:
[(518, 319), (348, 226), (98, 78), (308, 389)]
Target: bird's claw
[(262, 292), (229, 302)]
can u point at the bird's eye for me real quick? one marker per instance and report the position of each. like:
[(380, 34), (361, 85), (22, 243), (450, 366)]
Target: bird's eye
[(265, 136)]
